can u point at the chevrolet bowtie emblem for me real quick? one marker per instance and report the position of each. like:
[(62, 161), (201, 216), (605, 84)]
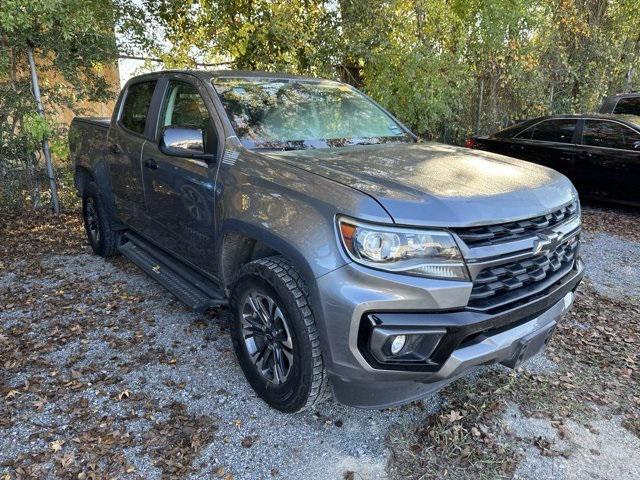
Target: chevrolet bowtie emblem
[(547, 242)]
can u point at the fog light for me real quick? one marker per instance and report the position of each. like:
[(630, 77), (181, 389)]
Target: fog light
[(397, 344)]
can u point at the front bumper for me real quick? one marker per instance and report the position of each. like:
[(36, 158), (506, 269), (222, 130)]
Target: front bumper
[(472, 338)]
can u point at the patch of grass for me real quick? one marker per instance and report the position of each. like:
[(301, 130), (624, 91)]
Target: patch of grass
[(467, 439), (596, 349), (462, 441)]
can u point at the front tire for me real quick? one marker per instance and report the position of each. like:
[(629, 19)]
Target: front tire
[(102, 238), (275, 336)]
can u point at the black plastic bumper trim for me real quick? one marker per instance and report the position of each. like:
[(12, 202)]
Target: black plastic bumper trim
[(461, 325)]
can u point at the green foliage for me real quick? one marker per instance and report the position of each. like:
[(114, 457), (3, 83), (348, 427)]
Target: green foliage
[(73, 41), (428, 61), (255, 34), (447, 68), (35, 129)]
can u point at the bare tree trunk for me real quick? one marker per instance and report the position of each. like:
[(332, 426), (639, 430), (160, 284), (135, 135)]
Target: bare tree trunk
[(45, 142), (635, 56), (35, 178), (480, 100)]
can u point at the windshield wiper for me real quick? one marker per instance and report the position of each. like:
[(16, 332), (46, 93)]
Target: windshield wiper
[(280, 149)]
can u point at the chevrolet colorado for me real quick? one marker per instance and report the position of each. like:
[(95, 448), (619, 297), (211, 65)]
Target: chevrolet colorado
[(354, 259)]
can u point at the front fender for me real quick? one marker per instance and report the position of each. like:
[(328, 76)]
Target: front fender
[(289, 209)]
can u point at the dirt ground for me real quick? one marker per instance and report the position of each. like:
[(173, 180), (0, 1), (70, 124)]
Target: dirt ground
[(106, 375)]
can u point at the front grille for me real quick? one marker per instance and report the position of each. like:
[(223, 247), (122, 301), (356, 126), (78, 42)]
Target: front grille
[(490, 234), (499, 285)]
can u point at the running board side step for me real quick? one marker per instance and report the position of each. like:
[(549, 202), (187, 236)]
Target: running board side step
[(191, 288)]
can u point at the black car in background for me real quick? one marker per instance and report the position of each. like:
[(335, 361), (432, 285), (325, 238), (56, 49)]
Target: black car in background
[(600, 153), (622, 103)]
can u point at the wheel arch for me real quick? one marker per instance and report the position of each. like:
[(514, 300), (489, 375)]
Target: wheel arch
[(242, 243), (82, 176), (99, 174)]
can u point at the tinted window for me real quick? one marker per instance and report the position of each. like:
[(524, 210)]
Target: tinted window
[(514, 129), (629, 106), (136, 106), (609, 134), (184, 107), (552, 131)]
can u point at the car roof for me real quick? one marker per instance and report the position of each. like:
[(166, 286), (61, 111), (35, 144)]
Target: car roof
[(262, 75), (207, 75), (621, 95), (634, 119), (631, 120)]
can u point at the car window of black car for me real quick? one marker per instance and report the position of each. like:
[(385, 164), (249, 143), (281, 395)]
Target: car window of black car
[(560, 130), (525, 134), (599, 133), (136, 105), (184, 107), (512, 131), (629, 105)]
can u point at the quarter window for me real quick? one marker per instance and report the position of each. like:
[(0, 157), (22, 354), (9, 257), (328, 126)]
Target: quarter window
[(560, 131), (136, 106), (629, 105), (609, 134)]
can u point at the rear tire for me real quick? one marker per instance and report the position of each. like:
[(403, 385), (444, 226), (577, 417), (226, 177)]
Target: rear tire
[(275, 336), (102, 238)]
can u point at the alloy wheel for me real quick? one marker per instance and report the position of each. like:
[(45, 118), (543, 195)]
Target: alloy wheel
[(267, 337)]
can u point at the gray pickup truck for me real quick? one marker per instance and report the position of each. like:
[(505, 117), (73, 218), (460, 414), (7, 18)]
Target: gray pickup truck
[(353, 258)]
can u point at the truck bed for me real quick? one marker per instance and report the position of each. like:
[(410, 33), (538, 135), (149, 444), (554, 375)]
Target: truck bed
[(88, 138)]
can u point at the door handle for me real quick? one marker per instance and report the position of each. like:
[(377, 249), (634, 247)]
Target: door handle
[(151, 163), (115, 148)]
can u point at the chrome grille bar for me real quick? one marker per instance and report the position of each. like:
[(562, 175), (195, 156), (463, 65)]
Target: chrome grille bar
[(490, 234)]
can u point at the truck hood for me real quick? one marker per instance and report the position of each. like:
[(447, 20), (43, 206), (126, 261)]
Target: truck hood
[(432, 184)]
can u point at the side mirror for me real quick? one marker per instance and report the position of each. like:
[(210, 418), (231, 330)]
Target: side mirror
[(636, 145), (182, 141)]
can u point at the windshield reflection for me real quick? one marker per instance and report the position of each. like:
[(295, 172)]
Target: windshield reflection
[(291, 114)]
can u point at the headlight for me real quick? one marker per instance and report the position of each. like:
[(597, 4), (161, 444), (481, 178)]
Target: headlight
[(425, 253)]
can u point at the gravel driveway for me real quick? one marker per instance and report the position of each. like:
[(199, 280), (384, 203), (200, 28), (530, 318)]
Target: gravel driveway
[(133, 337), (107, 376)]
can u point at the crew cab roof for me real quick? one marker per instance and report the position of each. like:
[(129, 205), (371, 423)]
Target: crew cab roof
[(207, 75)]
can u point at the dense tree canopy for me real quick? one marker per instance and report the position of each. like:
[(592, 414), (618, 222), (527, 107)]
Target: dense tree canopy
[(447, 68)]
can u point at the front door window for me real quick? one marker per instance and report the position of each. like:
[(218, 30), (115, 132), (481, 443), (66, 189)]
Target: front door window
[(184, 107), (598, 133)]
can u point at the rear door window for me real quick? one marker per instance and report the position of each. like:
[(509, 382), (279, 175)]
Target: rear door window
[(630, 106), (560, 131), (599, 133), (136, 106)]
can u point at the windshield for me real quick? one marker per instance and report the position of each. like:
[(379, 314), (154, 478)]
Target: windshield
[(291, 114)]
